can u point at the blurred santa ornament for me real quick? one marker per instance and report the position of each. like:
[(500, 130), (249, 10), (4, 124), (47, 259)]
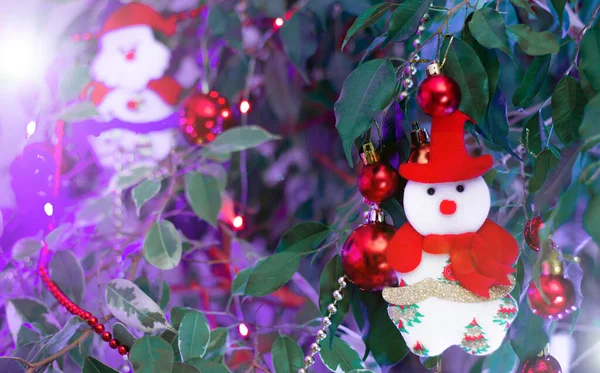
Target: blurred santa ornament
[(204, 116), (377, 180), (153, 103), (363, 254), (129, 56), (438, 95), (558, 290)]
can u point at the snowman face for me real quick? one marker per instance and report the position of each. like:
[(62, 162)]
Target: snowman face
[(134, 107), (129, 58), (447, 208)]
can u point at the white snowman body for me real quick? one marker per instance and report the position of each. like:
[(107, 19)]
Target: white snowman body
[(142, 106), (431, 326)]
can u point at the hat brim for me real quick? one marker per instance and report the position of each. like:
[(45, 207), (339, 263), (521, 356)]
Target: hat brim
[(448, 171)]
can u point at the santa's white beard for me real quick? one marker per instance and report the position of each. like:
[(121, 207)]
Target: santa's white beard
[(150, 107), (111, 67), (149, 147)]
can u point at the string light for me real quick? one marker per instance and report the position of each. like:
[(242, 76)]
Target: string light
[(30, 129), (48, 209), (244, 106), (238, 222), (225, 113), (243, 329), (278, 22)]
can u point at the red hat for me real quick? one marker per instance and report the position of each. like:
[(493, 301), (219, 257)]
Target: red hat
[(448, 158), (134, 14), (167, 88)]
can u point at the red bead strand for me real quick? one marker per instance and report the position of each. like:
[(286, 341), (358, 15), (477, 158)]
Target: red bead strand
[(73, 308)]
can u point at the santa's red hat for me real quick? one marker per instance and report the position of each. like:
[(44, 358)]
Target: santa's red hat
[(448, 158), (134, 14)]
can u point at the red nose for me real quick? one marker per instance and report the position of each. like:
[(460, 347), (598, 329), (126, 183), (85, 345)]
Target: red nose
[(130, 56), (447, 207)]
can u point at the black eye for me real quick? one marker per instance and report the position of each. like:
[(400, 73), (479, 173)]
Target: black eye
[(431, 191), (460, 188)]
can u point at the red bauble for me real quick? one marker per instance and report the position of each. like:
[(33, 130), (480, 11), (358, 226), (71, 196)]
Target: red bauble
[(531, 232), (204, 117), (559, 291), (438, 95), (363, 257), (377, 181), (541, 364)]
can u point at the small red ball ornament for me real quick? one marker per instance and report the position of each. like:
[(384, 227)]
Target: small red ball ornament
[(122, 350), (204, 117), (113, 343), (438, 95), (377, 181), (559, 291), (363, 257), (531, 232), (541, 364)]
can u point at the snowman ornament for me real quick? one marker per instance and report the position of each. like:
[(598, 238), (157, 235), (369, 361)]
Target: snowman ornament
[(454, 264)]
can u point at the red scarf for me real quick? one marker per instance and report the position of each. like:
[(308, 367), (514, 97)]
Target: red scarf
[(479, 260)]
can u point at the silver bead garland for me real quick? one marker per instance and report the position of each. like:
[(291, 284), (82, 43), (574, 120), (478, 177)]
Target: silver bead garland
[(315, 347)]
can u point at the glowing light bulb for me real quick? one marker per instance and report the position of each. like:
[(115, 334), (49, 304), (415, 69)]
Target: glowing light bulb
[(243, 329), (30, 129), (48, 209), (278, 22), (244, 106), (225, 113), (238, 222)]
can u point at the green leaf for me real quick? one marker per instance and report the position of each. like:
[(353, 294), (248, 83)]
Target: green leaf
[(299, 39), (184, 368), (78, 112), (531, 135), (144, 192), (532, 81), (26, 248), (559, 7), (73, 81), (92, 365), (32, 311), (367, 90), (503, 359), (272, 8), (589, 129), (151, 355), (94, 211), (287, 355), (568, 105), (405, 20), (487, 27), (238, 287), (26, 336), (545, 161), (203, 194), (340, 354), (217, 342), (177, 315), (58, 236), (464, 66), (132, 175), (232, 77), (226, 25), (528, 336), (534, 43), (565, 208), (123, 335), (194, 335), (162, 245), (240, 138), (130, 305), (217, 171), (12, 366), (67, 273), (591, 218), (303, 238), (272, 273), (60, 339), (207, 366), (496, 122), (381, 331), (366, 19), (524, 4), (327, 284), (589, 55)]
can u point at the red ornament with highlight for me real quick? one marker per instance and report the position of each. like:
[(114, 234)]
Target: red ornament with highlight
[(559, 290), (438, 95), (541, 364), (378, 181), (204, 117), (363, 257), (531, 232)]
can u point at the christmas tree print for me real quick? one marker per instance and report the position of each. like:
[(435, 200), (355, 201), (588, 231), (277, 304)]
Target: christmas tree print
[(447, 275), (474, 341), (420, 349), (405, 316), (507, 312)]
